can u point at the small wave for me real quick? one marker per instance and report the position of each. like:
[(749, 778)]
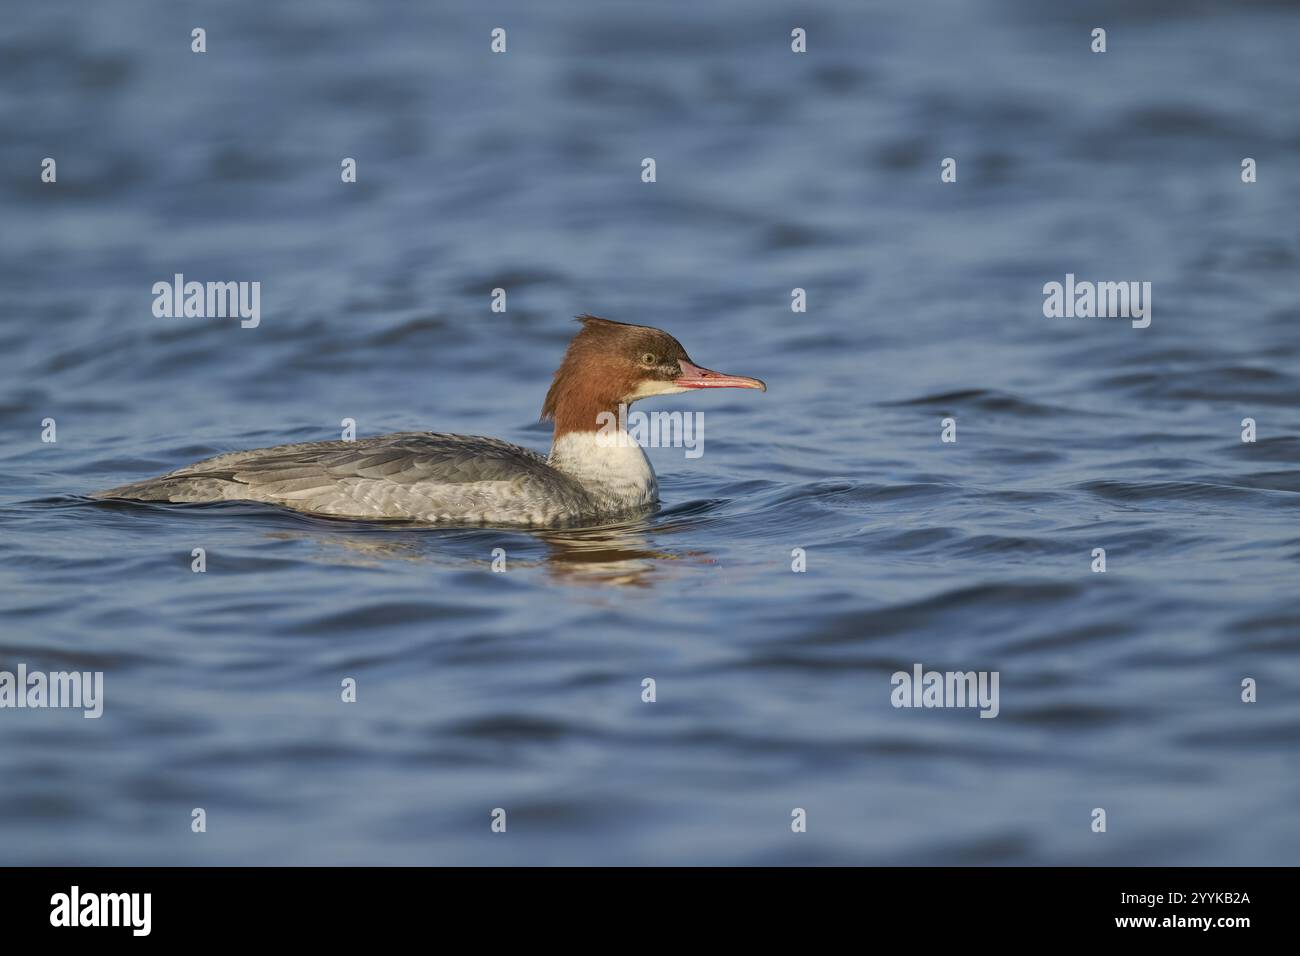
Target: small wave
[(984, 399)]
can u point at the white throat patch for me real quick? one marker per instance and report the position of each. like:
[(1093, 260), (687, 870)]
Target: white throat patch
[(617, 474), (648, 387)]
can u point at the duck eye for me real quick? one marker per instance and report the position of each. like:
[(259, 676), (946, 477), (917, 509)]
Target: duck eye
[(649, 359)]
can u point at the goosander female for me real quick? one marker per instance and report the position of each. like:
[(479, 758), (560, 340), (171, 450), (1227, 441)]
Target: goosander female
[(463, 479)]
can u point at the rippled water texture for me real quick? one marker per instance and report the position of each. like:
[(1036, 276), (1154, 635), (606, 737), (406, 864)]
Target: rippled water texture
[(522, 690)]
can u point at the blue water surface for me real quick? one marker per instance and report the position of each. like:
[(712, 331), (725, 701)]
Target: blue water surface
[(522, 690)]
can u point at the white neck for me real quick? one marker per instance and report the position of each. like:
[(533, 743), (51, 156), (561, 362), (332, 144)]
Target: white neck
[(609, 465)]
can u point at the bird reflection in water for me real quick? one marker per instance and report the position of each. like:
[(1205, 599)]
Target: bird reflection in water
[(618, 554)]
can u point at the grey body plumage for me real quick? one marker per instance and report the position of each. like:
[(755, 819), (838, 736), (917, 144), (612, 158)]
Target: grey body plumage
[(421, 476)]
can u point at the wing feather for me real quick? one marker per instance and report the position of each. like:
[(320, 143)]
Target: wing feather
[(429, 475)]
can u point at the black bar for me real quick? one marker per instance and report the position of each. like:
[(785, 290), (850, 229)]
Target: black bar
[(331, 906)]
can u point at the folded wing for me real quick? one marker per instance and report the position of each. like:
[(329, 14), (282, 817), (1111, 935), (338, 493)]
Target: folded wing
[(422, 475)]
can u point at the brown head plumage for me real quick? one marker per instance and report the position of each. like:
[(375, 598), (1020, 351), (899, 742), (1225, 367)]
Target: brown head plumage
[(608, 363)]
